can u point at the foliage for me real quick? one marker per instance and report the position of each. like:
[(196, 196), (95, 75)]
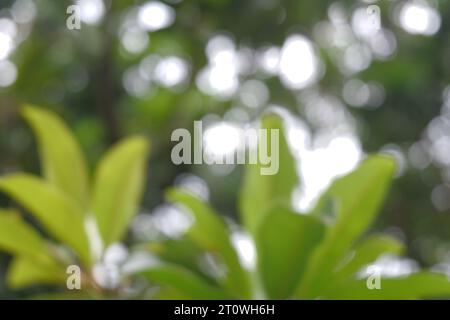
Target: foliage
[(79, 223), (82, 75), (318, 254), (312, 255)]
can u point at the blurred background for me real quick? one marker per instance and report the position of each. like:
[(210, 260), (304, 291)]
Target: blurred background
[(354, 77)]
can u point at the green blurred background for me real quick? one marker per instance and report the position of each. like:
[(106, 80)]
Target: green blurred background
[(352, 85)]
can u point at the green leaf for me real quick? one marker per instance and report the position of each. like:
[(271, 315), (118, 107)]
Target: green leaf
[(118, 187), (19, 238), (285, 241), (416, 286), (185, 282), (357, 196), (367, 252), (62, 161), (25, 271), (60, 214), (78, 295), (183, 252), (261, 192), (210, 232)]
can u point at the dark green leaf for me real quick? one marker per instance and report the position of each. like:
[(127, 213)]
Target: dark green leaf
[(188, 284)]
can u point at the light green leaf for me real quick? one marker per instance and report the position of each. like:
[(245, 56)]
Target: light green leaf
[(357, 196), (367, 252), (210, 232), (261, 192), (62, 161), (19, 238), (185, 282), (285, 241), (416, 286), (118, 187), (60, 214), (25, 271)]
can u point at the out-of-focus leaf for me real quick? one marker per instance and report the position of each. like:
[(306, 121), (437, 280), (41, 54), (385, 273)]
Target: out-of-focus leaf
[(118, 187), (61, 157), (210, 232), (416, 286), (261, 192), (60, 214), (183, 252), (358, 197), (24, 271), (188, 284), (18, 238), (169, 293), (83, 295), (367, 252), (285, 241)]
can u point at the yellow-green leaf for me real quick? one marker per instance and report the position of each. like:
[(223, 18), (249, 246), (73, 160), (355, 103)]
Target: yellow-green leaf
[(357, 196), (367, 252), (62, 161), (19, 238), (25, 271), (261, 192), (118, 187), (60, 214), (415, 286)]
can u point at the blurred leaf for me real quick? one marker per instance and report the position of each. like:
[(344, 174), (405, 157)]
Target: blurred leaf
[(83, 295), (367, 252), (415, 286), (285, 241), (261, 192), (169, 293), (61, 157), (187, 283), (183, 252), (24, 272), (61, 215), (210, 232), (358, 196), (19, 238), (118, 187)]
